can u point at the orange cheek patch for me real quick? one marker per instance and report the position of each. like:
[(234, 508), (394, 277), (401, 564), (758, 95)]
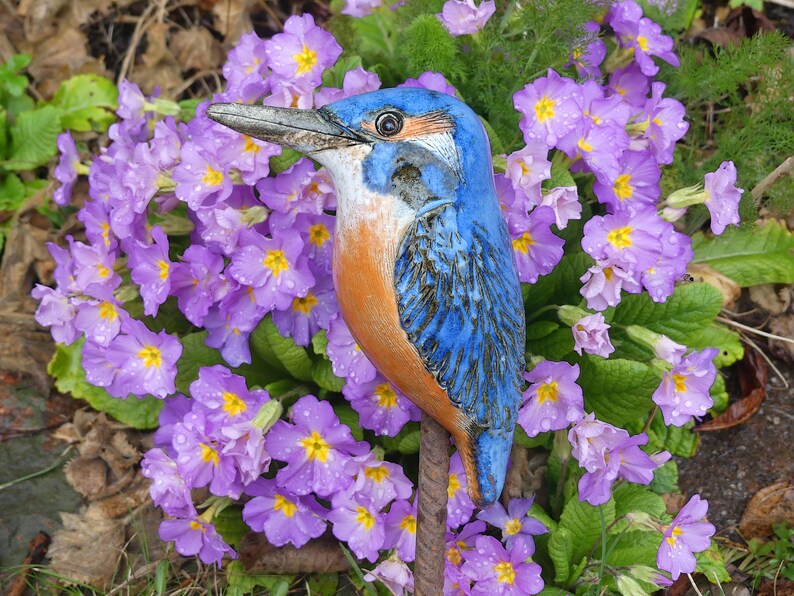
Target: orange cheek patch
[(418, 126)]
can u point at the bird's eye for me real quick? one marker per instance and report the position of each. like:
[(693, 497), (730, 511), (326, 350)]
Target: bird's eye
[(389, 124)]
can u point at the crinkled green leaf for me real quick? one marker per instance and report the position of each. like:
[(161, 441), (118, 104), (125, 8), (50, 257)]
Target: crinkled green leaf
[(230, 525), (676, 20), (636, 497), (320, 343), (187, 108), (239, 582), (540, 514), (711, 563), (33, 138), (279, 163), (280, 351), (560, 552), (10, 81), (749, 256), (555, 346), (406, 441), (324, 376), (12, 193), (67, 370), (3, 133), (539, 329), (349, 417), (617, 390), (561, 286), (719, 395), (665, 478), (632, 548), (677, 440), (583, 521), (726, 341), (521, 439), (323, 584), (86, 102), (335, 76)]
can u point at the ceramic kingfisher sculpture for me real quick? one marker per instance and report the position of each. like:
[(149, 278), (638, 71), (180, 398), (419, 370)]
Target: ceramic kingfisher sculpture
[(422, 262)]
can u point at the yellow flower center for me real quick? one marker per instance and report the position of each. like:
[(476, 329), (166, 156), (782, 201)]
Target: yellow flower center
[(232, 404), (622, 187), (250, 146), (276, 261), (620, 237), (316, 447), (304, 305), (454, 485), (151, 356), (387, 398), (318, 234), (408, 523), (584, 145), (105, 232), (680, 382), (548, 392), (306, 59), (209, 454), (213, 177), (608, 273), (164, 268), (107, 311), (377, 473), (523, 242), (453, 555), (287, 507), (194, 525), (505, 572), (673, 538), (544, 108), (642, 41), (365, 518), (103, 271), (513, 527)]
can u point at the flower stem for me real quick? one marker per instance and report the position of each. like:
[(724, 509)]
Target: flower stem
[(650, 419), (431, 508)]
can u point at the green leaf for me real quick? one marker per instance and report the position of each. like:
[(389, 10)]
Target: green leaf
[(323, 584), (335, 76), (632, 548), (33, 138), (87, 102), (406, 441), (12, 83), (749, 256), (617, 390), (3, 132), (230, 525), (12, 193), (279, 163), (240, 583), (281, 351), (665, 478), (324, 376), (195, 355), (711, 563), (187, 108), (521, 439), (349, 417), (320, 343), (540, 329), (555, 346), (540, 514), (561, 286), (678, 440), (560, 552), (635, 497), (67, 370), (583, 521)]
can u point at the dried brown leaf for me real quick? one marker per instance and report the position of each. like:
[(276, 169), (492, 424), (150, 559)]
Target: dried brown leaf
[(318, 556), (41, 17), (729, 289), (783, 326), (196, 49), (770, 505), (160, 67), (774, 301), (59, 57), (232, 19)]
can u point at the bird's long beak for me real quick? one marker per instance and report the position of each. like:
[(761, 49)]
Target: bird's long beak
[(307, 131)]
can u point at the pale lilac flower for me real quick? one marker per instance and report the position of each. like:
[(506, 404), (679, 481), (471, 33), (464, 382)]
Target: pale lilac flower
[(589, 53), (401, 529), (246, 62), (360, 8), (604, 282), (356, 81), (537, 250), (303, 51), (56, 311), (455, 581), (285, 518), (564, 200), (66, 170), (526, 169), (631, 85), (359, 522), (146, 361), (722, 197), (173, 412), (459, 504), (636, 184), (93, 265), (687, 534), (515, 206), (381, 407), (193, 536), (100, 317), (668, 350), (347, 359), (150, 268), (515, 522), (590, 439), (225, 395), (684, 390), (197, 282), (435, 81), (660, 279), (497, 571), (200, 180), (553, 400), (381, 481), (590, 334), (317, 449), (394, 574), (549, 108), (310, 313), (666, 125), (463, 17), (169, 491), (641, 33), (632, 239)]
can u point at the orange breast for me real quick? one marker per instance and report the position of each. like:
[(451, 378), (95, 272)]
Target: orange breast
[(365, 251)]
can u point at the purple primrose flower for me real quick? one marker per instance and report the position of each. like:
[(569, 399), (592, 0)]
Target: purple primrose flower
[(684, 391), (590, 334), (722, 197), (687, 534), (553, 400), (463, 17), (495, 570), (514, 523)]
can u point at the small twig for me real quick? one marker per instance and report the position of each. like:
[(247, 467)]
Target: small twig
[(50, 468), (36, 552), (754, 330), (771, 178), (271, 13), (650, 419), (694, 585), (431, 508), (140, 26), (767, 360)]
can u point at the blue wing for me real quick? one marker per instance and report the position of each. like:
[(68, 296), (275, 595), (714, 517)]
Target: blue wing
[(459, 300)]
